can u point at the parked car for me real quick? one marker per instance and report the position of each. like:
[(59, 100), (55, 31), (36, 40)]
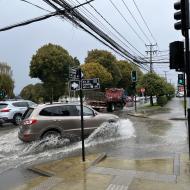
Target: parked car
[(12, 110), (60, 120)]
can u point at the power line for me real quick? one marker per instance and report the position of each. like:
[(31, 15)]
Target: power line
[(35, 5), (113, 4), (76, 15), (115, 29), (144, 21), (146, 36)]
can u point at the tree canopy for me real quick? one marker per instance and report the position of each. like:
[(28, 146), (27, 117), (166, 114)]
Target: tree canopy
[(51, 65), (108, 61), (96, 70), (35, 93), (6, 81), (154, 85), (126, 68)]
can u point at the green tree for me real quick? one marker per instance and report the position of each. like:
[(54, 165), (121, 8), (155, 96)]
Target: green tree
[(96, 70), (154, 85), (126, 68), (6, 81), (51, 65), (35, 93), (108, 61)]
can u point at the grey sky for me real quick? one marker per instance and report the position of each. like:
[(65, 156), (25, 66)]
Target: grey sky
[(18, 45)]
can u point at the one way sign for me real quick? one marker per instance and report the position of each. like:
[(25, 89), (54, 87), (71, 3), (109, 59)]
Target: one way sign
[(74, 85)]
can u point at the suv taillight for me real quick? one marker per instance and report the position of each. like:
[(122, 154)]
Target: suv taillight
[(29, 121), (5, 110)]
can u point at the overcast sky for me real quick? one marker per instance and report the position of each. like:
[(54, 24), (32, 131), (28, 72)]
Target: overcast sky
[(18, 45)]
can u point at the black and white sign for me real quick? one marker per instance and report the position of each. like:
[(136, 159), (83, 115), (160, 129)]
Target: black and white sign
[(88, 84), (74, 85), (72, 73)]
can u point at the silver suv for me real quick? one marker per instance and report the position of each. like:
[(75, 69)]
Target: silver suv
[(12, 110), (60, 120)]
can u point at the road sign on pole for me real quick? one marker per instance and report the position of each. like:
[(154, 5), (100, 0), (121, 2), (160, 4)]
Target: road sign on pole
[(74, 85), (90, 84)]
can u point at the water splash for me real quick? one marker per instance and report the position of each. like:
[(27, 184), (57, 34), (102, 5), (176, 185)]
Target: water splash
[(14, 153)]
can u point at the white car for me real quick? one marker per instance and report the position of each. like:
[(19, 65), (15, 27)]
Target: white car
[(12, 110)]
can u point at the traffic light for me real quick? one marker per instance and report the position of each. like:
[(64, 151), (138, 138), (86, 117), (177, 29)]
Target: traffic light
[(134, 76), (182, 16), (181, 79), (177, 58)]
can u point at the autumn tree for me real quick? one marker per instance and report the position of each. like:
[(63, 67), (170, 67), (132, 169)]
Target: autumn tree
[(108, 61), (51, 64), (95, 70)]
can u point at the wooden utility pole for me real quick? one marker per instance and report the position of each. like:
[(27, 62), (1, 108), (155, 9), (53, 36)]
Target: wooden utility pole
[(151, 52)]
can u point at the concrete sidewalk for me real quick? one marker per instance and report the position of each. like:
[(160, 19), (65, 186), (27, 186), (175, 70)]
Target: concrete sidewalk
[(111, 173)]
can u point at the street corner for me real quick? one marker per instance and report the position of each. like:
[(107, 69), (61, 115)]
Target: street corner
[(144, 174), (67, 174)]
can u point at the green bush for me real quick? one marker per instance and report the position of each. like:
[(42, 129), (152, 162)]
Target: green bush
[(162, 100)]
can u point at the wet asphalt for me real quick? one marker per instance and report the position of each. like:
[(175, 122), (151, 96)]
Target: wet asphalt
[(142, 137)]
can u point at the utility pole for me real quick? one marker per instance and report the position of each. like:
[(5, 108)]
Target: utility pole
[(151, 52), (166, 75)]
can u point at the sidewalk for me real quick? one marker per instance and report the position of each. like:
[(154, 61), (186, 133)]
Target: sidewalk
[(113, 173), (150, 169)]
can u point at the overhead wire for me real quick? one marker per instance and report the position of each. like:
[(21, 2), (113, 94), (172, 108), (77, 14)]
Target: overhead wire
[(145, 22), (121, 14), (115, 29), (35, 5), (76, 15), (137, 23)]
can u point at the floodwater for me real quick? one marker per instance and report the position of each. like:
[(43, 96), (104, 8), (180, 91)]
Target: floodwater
[(14, 153), (132, 137)]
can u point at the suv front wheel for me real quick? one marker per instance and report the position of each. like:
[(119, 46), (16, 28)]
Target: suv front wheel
[(17, 119)]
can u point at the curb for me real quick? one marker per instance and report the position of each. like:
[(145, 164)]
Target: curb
[(40, 172), (178, 119), (137, 115), (99, 159)]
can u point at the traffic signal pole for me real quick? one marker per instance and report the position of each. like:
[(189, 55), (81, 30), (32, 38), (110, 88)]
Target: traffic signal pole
[(187, 66)]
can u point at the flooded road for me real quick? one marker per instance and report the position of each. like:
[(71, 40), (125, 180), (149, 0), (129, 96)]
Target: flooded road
[(132, 137), (15, 153)]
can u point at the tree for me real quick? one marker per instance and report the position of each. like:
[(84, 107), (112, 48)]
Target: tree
[(126, 68), (95, 70), (6, 81), (107, 60), (35, 93), (154, 85), (51, 65)]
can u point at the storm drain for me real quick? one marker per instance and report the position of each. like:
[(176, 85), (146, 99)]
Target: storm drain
[(48, 184)]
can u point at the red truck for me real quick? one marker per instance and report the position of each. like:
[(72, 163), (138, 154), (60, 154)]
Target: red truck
[(112, 99)]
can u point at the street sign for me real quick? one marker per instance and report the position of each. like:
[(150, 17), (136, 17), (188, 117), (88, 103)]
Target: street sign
[(74, 85), (72, 73), (89, 84)]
